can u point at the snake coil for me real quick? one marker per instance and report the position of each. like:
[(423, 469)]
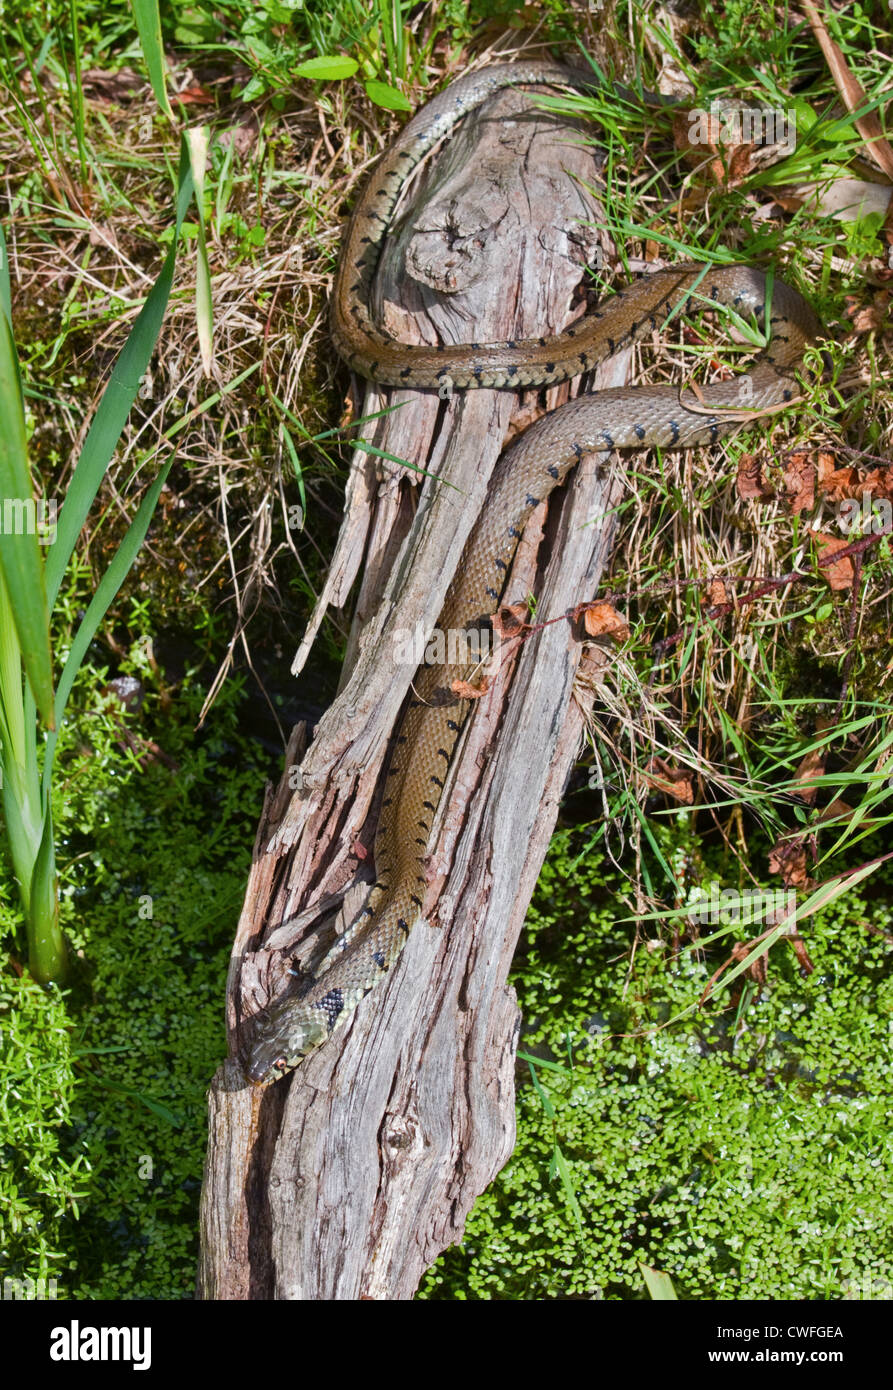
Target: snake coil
[(538, 461)]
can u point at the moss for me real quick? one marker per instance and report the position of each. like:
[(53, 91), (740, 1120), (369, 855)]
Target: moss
[(105, 1130), (741, 1150)]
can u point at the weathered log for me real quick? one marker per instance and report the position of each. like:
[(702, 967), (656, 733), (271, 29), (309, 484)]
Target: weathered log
[(346, 1179)]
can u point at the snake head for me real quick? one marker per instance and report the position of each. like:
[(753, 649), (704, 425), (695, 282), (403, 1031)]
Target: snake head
[(285, 1035)]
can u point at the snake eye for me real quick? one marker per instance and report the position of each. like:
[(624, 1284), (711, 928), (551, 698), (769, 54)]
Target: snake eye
[(281, 1064)]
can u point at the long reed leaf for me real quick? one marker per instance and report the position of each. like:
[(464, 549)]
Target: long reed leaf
[(148, 26), (116, 403), (20, 558)]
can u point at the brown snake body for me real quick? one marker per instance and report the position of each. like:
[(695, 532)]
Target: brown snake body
[(538, 461)]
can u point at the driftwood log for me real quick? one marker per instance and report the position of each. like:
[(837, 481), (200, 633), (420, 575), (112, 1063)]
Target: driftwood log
[(347, 1178)]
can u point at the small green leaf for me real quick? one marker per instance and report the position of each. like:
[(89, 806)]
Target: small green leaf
[(386, 96), (330, 69)]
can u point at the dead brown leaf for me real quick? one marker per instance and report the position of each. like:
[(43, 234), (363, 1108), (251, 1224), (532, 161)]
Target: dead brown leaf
[(839, 573), (674, 781), (750, 482), (788, 858), (601, 619), (799, 481)]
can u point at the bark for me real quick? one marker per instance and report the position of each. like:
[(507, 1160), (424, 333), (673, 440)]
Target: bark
[(346, 1179)]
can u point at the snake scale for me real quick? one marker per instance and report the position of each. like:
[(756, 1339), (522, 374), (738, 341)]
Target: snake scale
[(535, 463)]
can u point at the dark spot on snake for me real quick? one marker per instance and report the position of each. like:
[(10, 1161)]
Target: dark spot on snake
[(443, 753), (387, 801), (500, 564), (584, 359), (608, 438), (714, 432), (392, 771), (368, 912), (511, 371), (511, 343), (653, 321), (513, 531), (437, 781), (444, 371), (403, 925), (639, 431), (373, 368), (542, 341), (451, 724), (414, 899), (577, 451), (407, 371), (401, 738), (786, 395), (380, 958), (552, 470), (477, 373), (492, 593), (549, 367), (610, 345), (532, 501), (332, 1004), (571, 333), (422, 843), (428, 806), (424, 824), (674, 431), (475, 347)]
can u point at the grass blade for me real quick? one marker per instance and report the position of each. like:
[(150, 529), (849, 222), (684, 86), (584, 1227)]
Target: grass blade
[(116, 403), (20, 558), (106, 590), (148, 26)]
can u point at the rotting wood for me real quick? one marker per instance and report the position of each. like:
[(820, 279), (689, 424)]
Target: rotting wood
[(346, 1179)]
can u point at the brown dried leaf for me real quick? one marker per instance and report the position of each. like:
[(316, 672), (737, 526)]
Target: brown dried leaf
[(839, 483), (510, 619), (675, 782), (466, 691), (788, 858), (601, 619), (839, 573), (799, 481), (750, 483), (809, 775)]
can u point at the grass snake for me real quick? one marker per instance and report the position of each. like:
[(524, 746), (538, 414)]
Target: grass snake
[(535, 463)]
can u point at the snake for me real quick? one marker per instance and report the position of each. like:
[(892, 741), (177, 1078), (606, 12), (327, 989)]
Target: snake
[(536, 462)]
